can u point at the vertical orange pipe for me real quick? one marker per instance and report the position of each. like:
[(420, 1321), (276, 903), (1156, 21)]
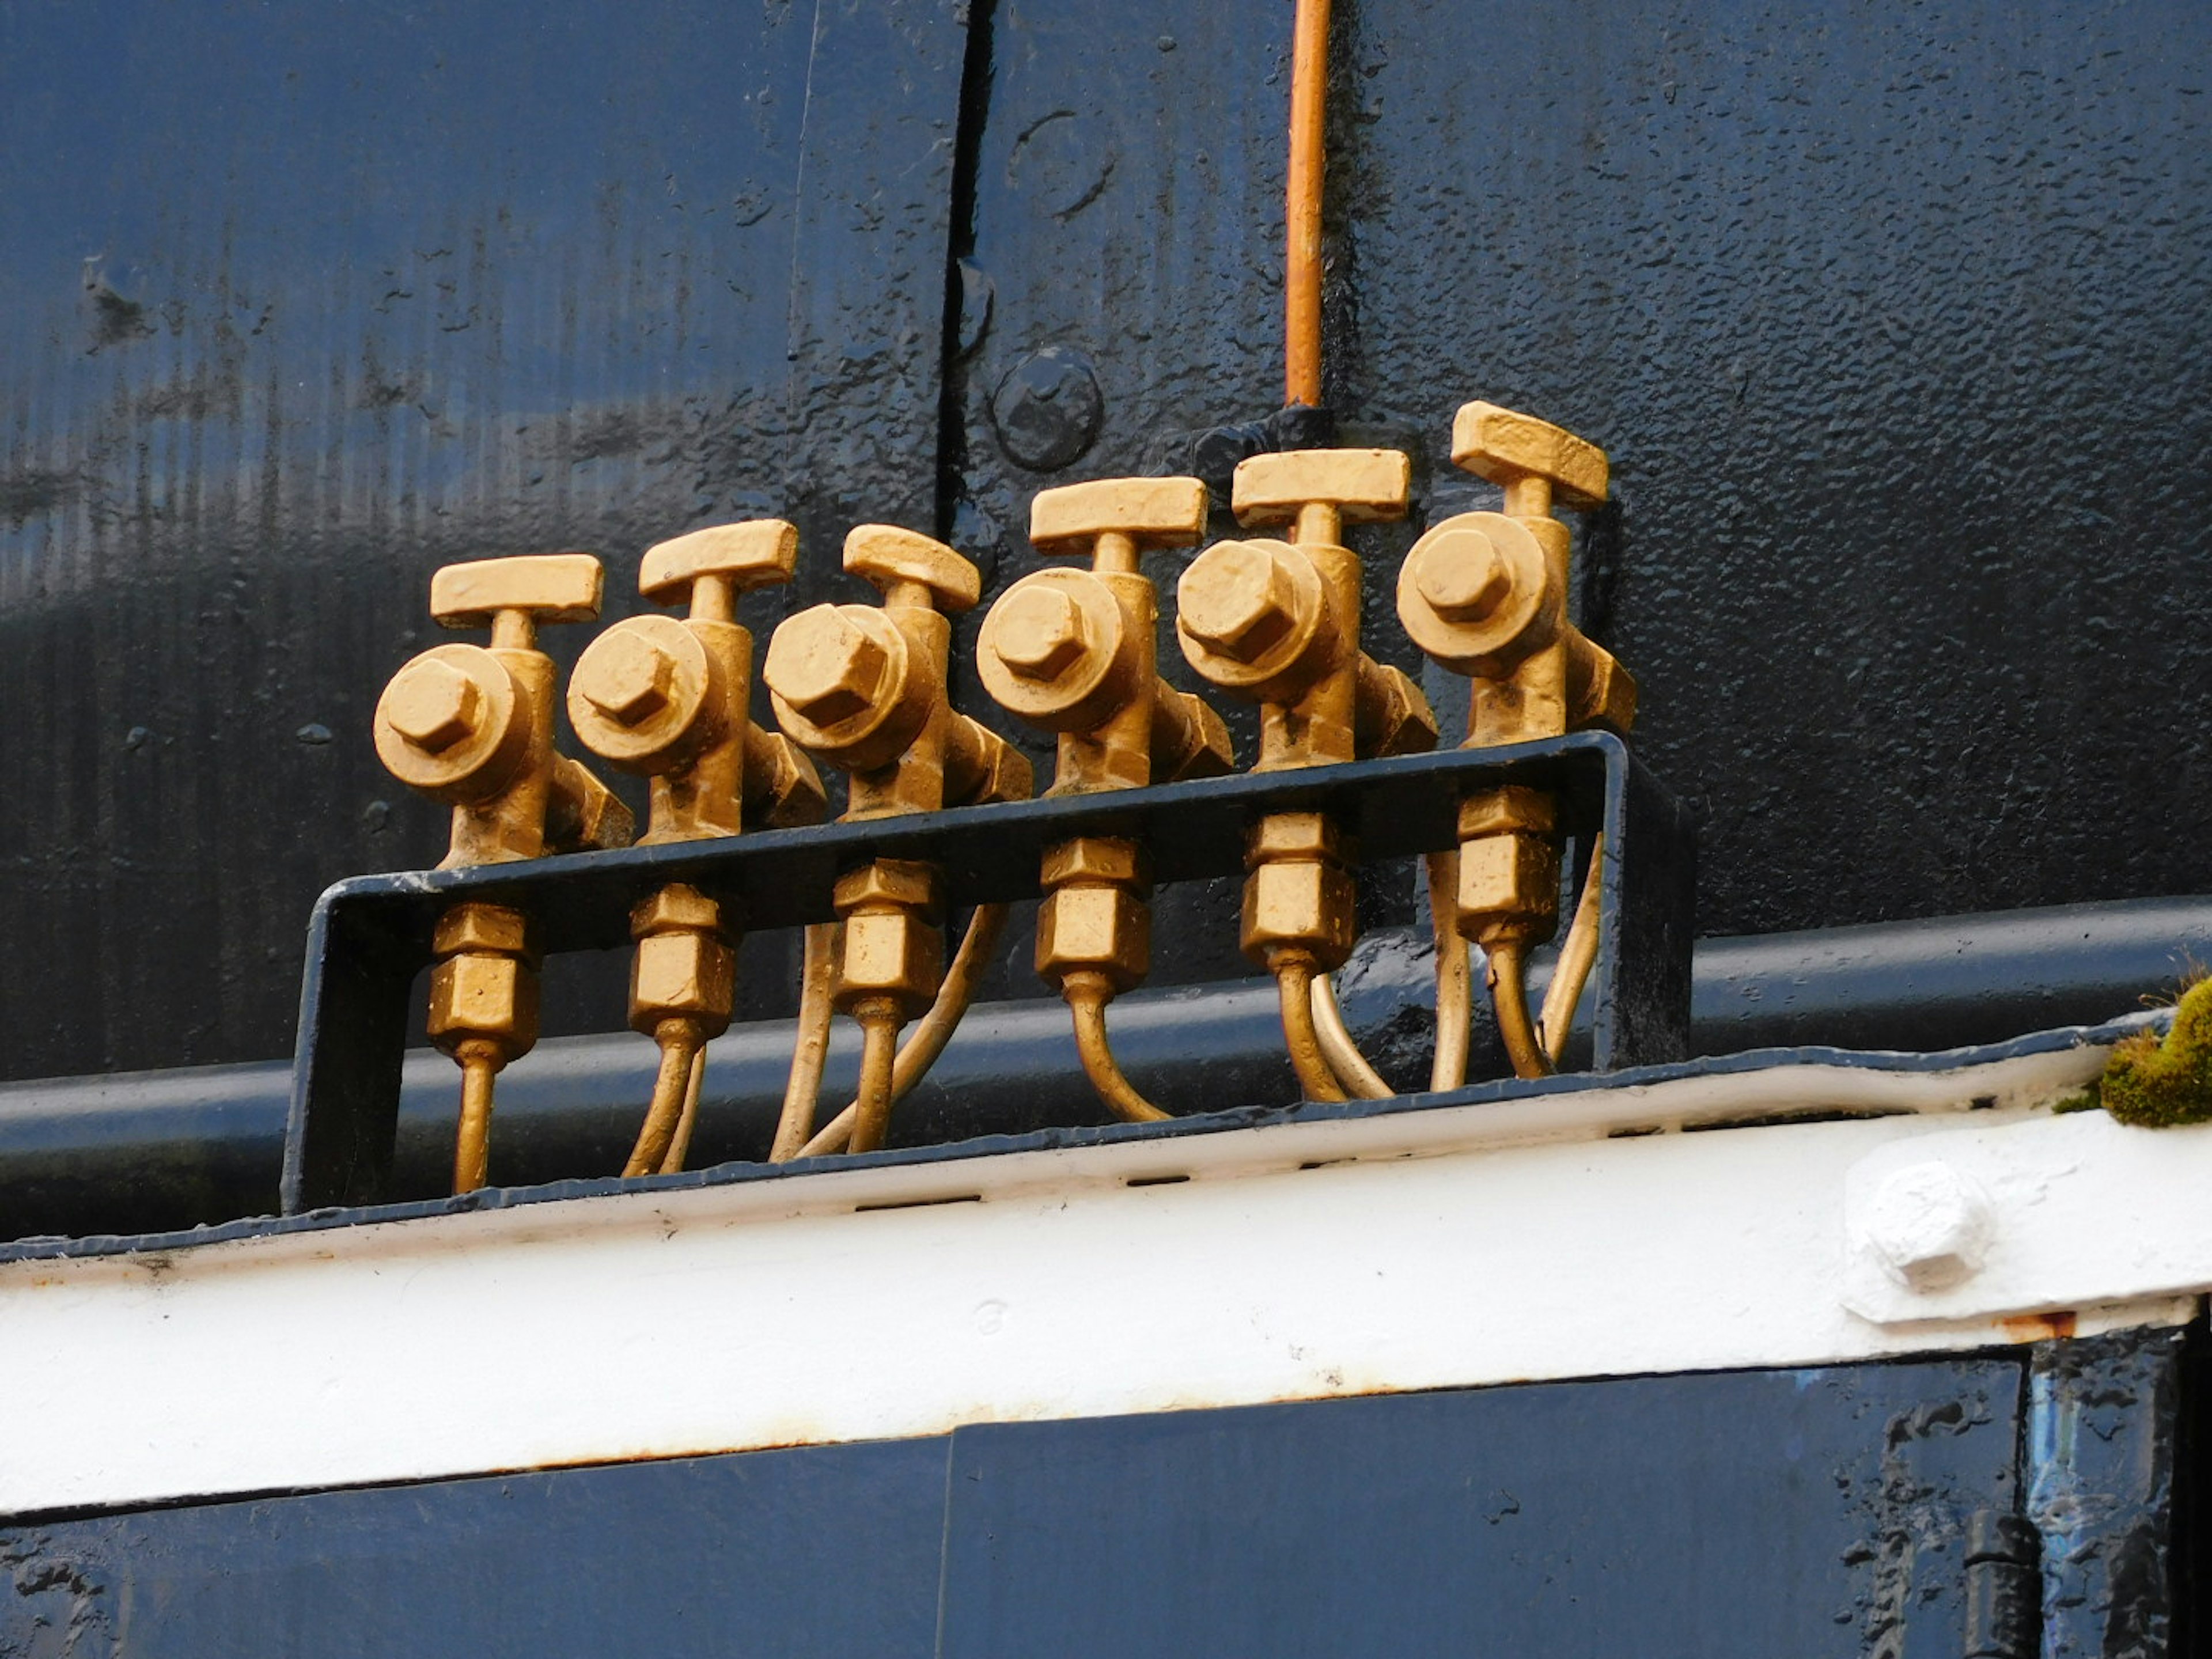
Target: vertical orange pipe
[(1301, 241)]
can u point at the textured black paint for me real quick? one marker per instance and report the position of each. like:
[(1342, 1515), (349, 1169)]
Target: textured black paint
[(304, 300), (1811, 1513), (1893, 318), (704, 1556)]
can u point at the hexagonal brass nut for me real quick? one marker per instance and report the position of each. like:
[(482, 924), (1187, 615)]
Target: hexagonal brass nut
[(479, 927), (1107, 929), (1600, 691), (1509, 879), (890, 882), (1515, 806), (686, 971), (431, 704), (1392, 716), (826, 664), (1096, 858), (1306, 902), (888, 953), (485, 996), (1295, 835), (674, 906)]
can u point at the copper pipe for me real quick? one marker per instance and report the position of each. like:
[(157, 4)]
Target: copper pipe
[(927, 1039), (1087, 995), (480, 1063), (1302, 203), (1360, 1080), (802, 1093), (1455, 983), (1577, 957), (679, 1044), (680, 1147), (872, 1111), (1294, 974), (1508, 994)]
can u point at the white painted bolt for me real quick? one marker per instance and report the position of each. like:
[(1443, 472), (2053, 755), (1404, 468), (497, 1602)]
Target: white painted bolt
[(1928, 1226)]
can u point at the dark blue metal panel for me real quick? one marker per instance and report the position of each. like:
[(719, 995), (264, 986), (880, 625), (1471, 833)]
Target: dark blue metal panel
[(806, 1553), (1730, 1516), (304, 298)]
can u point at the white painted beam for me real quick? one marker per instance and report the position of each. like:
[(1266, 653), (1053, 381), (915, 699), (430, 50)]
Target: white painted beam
[(1543, 1237)]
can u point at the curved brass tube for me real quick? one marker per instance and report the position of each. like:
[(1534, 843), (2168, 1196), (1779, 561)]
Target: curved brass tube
[(1087, 995), (1454, 983), (679, 1046), (680, 1147), (1294, 976), (802, 1091), (1577, 957), (872, 1111), (1360, 1080), (480, 1063), (1508, 994), (927, 1039)]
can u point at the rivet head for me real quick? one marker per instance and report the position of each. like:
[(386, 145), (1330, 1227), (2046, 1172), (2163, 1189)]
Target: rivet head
[(629, 678), (1929, 1225), (1042, 634), (431, 704), (1461, 576), (1236, 599), (824, 665)]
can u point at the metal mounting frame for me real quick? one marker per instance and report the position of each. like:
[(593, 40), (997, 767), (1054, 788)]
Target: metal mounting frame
[(370, 936)]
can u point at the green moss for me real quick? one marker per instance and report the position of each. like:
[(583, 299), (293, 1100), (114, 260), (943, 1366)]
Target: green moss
[(2155, 1084)]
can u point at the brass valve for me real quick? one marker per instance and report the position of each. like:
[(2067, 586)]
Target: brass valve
[(863, 688), (1277, 622), (1076, 651), (668, 698), (1486, 595), (473, 727)]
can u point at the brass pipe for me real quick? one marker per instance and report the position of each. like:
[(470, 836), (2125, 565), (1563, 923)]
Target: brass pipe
[(1302, 264), (802, 1091), (1577, 957), (1508, 994), (679, 1042), (1087, 994), (1455, 983), (1359, 1079), (1294, 976), (923, 1045), (680, 1147), (480, 1062), (879, 1020)]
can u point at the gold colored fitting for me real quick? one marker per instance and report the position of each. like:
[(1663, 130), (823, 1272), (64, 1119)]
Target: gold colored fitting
[(1300, 896), (484, 1015), (668, 698), (1277, 622), (1075, 651), (472, 726), (1509, 868), (1485, 594), (685, 967), (893, 947), (1095, 917)]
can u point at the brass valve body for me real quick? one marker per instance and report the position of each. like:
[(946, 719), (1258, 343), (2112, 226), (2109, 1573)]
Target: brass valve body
[(1277, 622), (668, 698), (1076, 651), (863, 688), (473, 727)]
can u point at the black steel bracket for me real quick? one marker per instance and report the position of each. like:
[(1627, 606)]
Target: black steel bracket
[(370, 936)]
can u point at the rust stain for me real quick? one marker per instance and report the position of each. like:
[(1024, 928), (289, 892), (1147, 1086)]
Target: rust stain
[(2039, 1327)]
